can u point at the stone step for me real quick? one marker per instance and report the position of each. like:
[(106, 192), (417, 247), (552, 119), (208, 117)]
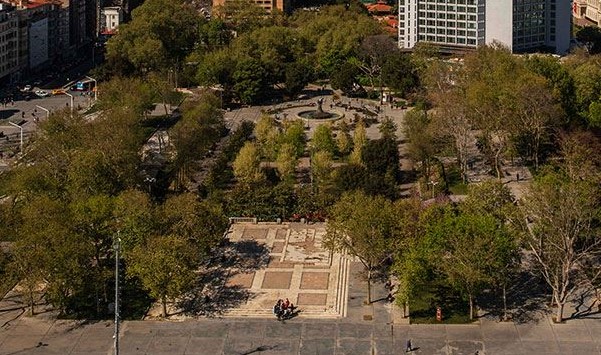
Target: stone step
[(304, 313)]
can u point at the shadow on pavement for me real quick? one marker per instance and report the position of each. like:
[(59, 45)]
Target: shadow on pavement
[(6, 114), (213, 296), (527, 299)]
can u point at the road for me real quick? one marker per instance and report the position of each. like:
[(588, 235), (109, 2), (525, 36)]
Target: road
[(26, 114)]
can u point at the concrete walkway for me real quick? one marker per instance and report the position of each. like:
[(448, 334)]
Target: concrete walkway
[(365, 330)]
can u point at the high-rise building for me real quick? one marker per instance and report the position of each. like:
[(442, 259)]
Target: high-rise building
[(9, 43), (455, 25)]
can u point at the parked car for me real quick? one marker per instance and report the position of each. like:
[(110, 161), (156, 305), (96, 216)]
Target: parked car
[(27, 88), (41, 93), (58, 91)]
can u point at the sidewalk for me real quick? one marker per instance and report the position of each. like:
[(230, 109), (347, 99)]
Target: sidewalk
[(354, 334)]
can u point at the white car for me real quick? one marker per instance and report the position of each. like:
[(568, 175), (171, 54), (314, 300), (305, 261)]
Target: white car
[(42, 93), (27, 88)]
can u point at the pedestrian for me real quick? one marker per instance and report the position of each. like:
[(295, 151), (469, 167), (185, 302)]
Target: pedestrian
[(408, 348), (517, 177), (389, 298)]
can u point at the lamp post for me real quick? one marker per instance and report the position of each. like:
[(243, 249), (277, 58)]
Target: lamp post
[(21, 129), (117, 247), (45, 109), (71, 96), (95, 87)]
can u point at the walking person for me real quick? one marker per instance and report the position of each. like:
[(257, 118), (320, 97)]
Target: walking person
[(408, 348)]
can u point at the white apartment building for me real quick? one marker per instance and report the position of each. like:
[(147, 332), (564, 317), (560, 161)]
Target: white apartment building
[(453, 25), (110, 19)]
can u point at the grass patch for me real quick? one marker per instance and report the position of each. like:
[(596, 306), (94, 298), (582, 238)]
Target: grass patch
[(456, 185), (436, 294), (458, 189)]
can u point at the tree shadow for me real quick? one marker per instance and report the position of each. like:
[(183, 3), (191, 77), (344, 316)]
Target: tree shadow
[(527, 299), (585, 306), (212, 295)]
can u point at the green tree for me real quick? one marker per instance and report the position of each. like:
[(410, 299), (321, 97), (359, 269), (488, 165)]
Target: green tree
[(591, 37), (323, 139), (362, 226), (217, 67), (388, 129), (250, 80), (297, 76), (119, 92), (492, 198), (359, 142), (214, 34), (422, 145), (561, 236), (294, 134), (473, 248), (160, 35), (247, 165), (399, 73), (321, 168), (134, 215), (199, 128), (166, 266), (201, 223), (286, 162), (49, 252), (267, 135), (345, 77), (344, 142)]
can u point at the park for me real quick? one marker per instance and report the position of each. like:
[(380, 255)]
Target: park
[(390, 200)]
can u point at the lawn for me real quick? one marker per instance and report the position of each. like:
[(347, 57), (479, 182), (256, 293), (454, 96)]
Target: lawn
[(436, 294)]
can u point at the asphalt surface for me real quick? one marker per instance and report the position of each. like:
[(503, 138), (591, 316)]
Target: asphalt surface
[(367, 330)]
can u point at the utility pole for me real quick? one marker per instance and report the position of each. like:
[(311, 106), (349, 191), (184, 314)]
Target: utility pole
[(117, 246)]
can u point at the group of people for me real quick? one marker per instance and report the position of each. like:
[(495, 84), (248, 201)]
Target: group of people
[(283, 309)]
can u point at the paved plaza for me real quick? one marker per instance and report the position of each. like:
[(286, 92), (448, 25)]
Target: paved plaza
[(299, 269), (265, 262)]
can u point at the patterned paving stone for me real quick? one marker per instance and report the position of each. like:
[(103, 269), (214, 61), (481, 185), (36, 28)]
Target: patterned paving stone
[(277, 280), (255, 233), (244, 280), (315, 280)]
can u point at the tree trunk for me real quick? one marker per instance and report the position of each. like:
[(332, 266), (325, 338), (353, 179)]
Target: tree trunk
[(559, 314), (368, 286), (471, 299), (497, 163), (164, 304), (504, 302), (31, 304)]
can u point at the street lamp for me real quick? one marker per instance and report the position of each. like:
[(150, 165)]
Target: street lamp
[(71, 96), (95, 87), (117, 247), (21, 129), (45, 109)]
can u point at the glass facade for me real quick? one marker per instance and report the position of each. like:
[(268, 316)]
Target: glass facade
[(529, 25)]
